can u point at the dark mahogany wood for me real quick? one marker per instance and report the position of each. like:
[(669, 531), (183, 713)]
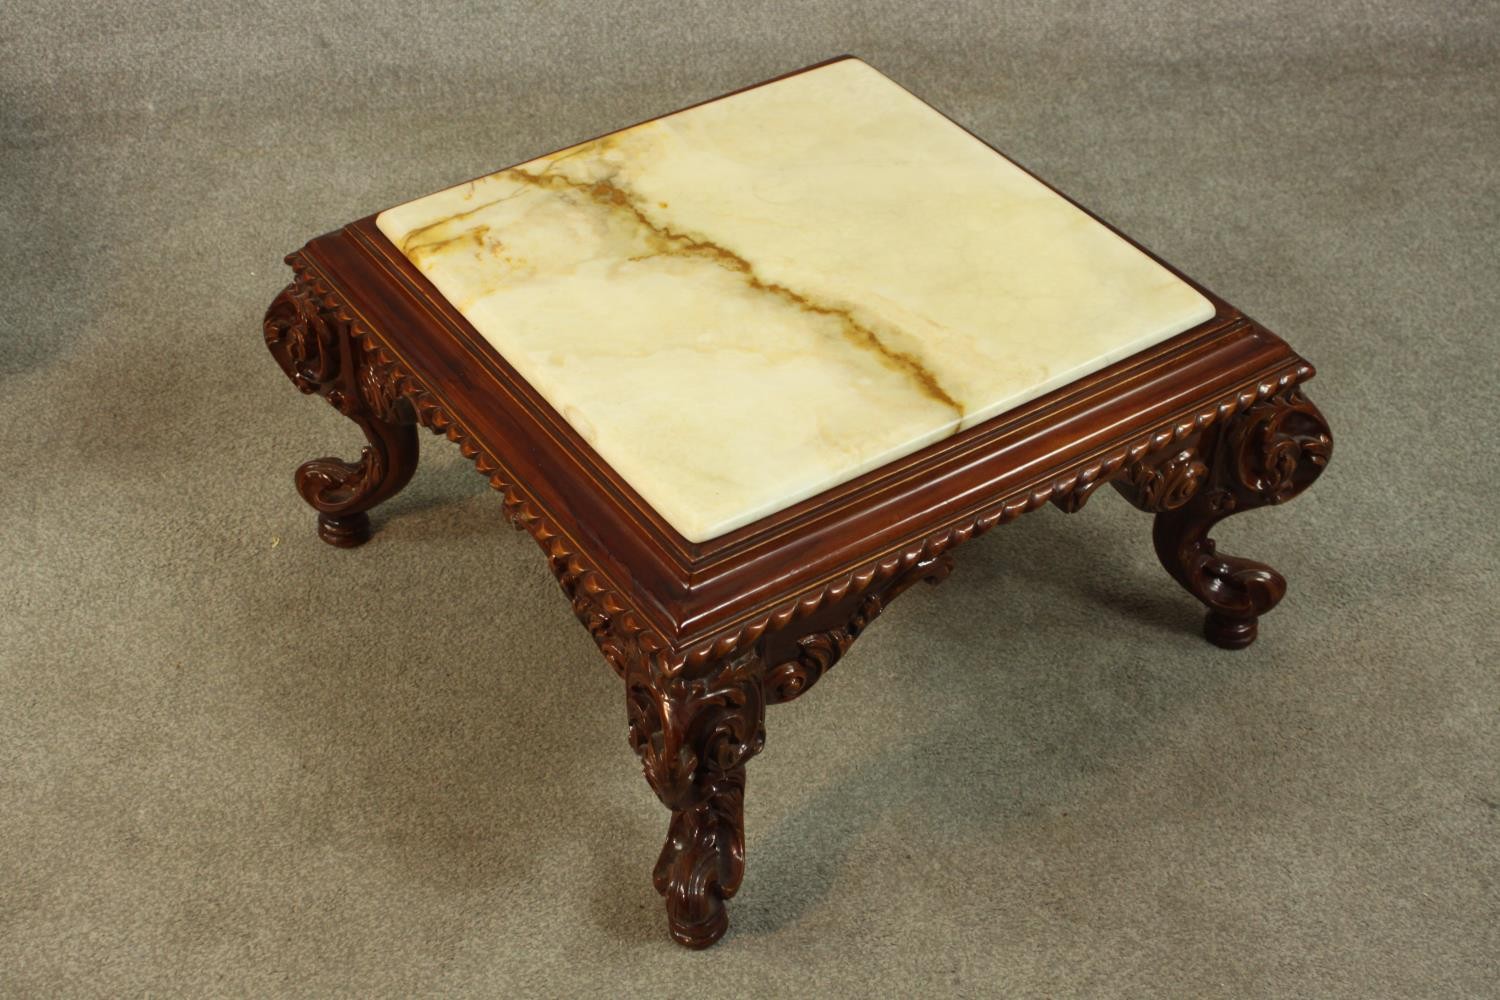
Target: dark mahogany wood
[(311, 340), (1265, 455), (705, 635)]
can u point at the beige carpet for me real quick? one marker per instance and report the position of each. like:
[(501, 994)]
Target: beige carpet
[(237, 762)]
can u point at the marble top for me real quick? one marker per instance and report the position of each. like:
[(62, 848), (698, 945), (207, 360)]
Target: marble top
[(751, 301)]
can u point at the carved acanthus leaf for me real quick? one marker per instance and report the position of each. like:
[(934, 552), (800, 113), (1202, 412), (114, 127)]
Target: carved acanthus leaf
[(819, 651)]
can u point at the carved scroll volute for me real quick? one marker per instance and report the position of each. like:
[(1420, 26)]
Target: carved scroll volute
[(302, 339), (1164, 480), (817, 652), (1278, 448), (312, 338), (693, 732)]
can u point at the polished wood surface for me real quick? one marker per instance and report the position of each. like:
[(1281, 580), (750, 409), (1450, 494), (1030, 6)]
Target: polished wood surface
[(1207, 424)]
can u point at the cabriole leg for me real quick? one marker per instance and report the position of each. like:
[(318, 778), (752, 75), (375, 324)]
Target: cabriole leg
[(1265, 455), (310, 337), (694, 733)]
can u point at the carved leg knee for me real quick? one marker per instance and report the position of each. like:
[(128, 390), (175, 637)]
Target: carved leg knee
[(693, 735), (1265, 455), (311, 338)]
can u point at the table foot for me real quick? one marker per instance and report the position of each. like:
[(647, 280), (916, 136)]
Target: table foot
[(346, 532), (311, 338), (1265, 455), (1229, 633)]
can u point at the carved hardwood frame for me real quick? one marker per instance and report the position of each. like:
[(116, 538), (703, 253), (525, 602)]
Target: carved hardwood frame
[(705, 635)]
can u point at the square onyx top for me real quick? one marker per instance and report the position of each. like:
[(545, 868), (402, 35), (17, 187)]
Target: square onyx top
[(751, 301)]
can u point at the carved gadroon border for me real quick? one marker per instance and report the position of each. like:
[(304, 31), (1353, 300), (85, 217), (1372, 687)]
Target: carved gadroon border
[(621, 632)]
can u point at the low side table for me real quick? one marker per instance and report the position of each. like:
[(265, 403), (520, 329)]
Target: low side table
[(748, 371)]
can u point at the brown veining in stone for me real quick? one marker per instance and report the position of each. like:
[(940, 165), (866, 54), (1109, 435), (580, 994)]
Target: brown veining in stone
[(669, 241), (412, 244), (666, 241), (419, 252)]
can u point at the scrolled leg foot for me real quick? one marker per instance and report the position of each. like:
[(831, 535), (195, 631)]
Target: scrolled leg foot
[(311, 338), (1266, 455), (346, 532), (1229, 633), (693, 735)]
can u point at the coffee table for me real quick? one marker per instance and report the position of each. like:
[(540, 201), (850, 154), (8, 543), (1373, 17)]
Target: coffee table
[(748, 371)]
